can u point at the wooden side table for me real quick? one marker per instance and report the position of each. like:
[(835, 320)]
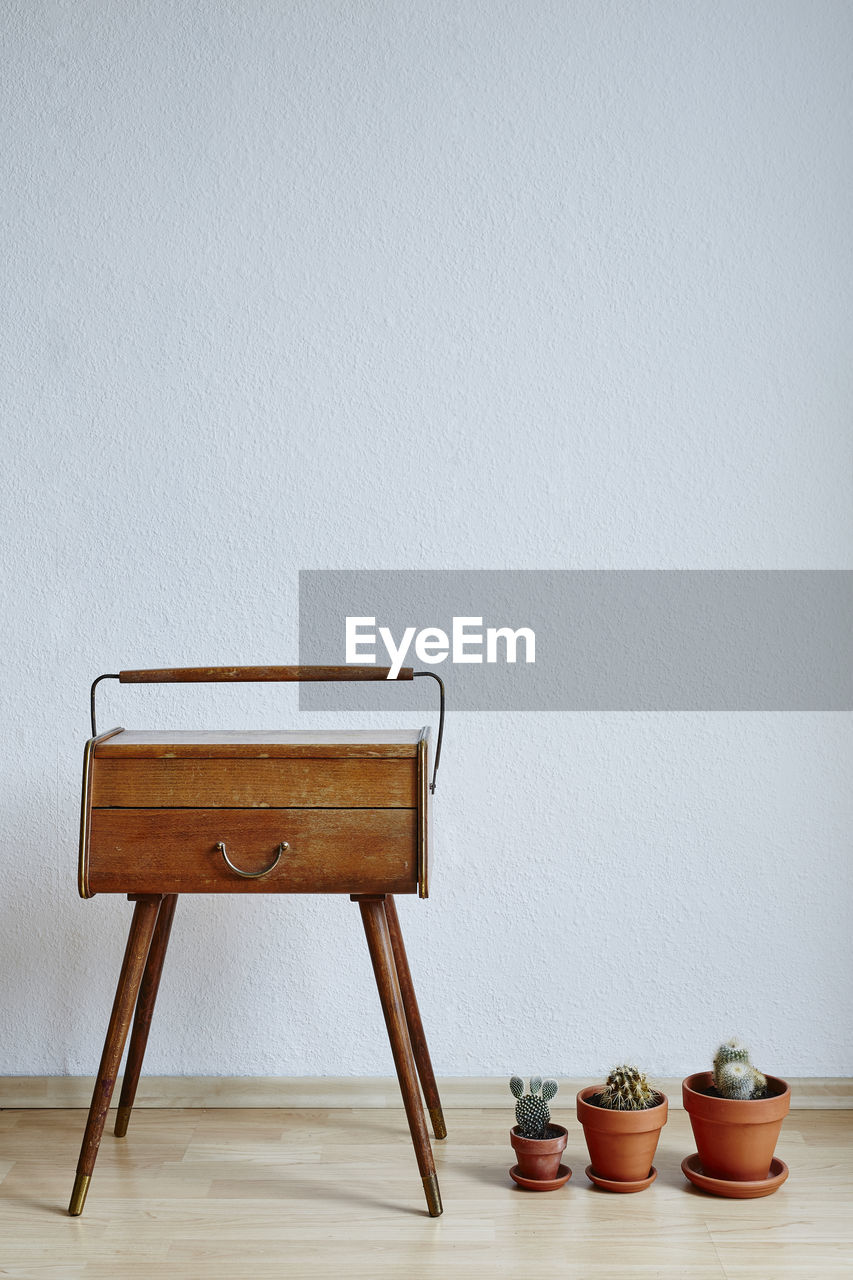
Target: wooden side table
[(268, 812)]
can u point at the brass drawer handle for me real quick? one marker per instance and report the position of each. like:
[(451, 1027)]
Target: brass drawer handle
[(253, 875)]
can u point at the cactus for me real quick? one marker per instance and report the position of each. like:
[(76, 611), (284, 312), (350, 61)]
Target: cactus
[(740, 1080), (532, 1114), (627, 1089), (731, 1051), (760, 1083), (734, 1074)]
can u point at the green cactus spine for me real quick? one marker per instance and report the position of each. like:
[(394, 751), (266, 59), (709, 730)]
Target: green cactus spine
[(741, 1081), (731, 1051), (734, 1074), (760, 1083), (627, 1089), (532, 1113)]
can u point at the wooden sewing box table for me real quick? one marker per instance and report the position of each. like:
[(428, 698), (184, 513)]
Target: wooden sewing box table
[(165, 813)]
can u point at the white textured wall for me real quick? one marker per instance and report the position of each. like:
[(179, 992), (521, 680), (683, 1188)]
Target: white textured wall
[(429, 285)]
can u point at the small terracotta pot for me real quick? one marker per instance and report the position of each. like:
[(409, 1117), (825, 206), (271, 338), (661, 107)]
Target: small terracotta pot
[(735, 1137), (539, 1158), (621, 1144)]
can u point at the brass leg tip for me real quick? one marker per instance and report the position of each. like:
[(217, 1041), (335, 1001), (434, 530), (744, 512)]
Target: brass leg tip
[(439, 1128), (433, 1195), (78, 1195), (122, 1121)]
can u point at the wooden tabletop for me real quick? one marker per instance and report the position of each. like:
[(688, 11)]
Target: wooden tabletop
[(262, 744)]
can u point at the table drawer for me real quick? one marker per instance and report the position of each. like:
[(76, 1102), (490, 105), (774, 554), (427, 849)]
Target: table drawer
[(160, 850), (252, 784)]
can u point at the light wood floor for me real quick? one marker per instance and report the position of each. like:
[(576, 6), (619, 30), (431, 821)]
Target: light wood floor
[(209, 1194)]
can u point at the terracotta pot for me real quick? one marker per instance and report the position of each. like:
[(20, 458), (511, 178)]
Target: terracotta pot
[(539, 1158), (621, 1144), (735, 1137)]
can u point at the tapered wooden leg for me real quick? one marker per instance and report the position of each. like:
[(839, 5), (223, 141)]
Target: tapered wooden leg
[(413, 1020), (136, 953), (144, 1011), (382, 955)]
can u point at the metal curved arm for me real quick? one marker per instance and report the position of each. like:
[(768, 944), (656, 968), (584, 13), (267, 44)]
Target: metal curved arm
[(440, 684), (95, 684)]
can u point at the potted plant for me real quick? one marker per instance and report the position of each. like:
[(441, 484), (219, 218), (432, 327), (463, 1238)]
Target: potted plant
[(736, 1114), (538, 1143), (622, 1120)]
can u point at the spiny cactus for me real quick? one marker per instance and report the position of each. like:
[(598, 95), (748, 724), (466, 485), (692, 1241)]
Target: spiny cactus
[(730, 1051), (734, 1074), (532, 1114), (734, 1080), (627, 1089)]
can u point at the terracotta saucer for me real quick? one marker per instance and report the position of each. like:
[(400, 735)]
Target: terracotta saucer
[(692, 1170), (611, 1184), (549, 1184)]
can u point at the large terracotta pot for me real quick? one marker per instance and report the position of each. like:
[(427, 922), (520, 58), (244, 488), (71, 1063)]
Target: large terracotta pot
[(621, 1144), (539, 1158), (735, 1137)]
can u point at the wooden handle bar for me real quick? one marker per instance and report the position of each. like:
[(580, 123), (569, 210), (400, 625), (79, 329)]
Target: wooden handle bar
[(224, 675), (220, 675)]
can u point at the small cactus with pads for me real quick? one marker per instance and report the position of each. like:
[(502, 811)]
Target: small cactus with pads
[(734, 1074), (627, 1089), (532, 1113)]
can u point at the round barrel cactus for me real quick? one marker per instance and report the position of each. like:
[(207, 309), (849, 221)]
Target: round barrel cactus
[(627, 1089)]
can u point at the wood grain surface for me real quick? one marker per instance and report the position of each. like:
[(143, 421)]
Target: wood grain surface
[(417, 1035), (331, 850), (321, 1193), (385, 971), (245, 675), (218, 784), (317, 744), (139, 939), (145, 1002)]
